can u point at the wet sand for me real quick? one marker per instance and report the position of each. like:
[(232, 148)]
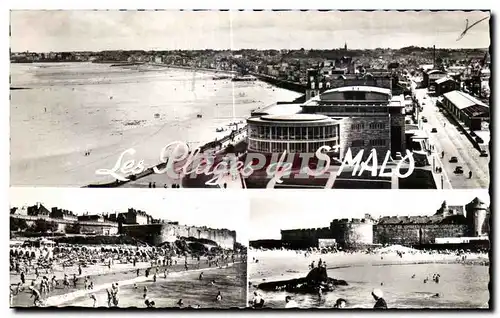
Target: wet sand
[(61, 296), (72, 108)]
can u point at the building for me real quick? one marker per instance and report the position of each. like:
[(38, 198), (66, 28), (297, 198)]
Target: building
[(92, 218), (369, 117), (448, 224), (354, 117), (293, 133), (467, 109), (57, 213), (346, 233), (38, 210), (132, 216), (445, 85), (430, 77), (478, 217)]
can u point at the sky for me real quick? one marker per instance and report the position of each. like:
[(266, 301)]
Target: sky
[(214, 209), (79, 30), (270, 213)]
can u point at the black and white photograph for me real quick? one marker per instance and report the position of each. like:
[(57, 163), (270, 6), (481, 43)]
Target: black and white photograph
[(116, 248), (414, 250), (249, 158), (250, 99)]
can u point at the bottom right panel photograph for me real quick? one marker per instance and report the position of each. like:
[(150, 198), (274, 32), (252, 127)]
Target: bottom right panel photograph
[(370, 249)]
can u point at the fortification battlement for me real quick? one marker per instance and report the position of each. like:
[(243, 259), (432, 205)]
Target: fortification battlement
[(352, 221), (307, 230), (176, 225)]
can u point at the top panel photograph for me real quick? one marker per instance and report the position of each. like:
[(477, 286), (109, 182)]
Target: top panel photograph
[(250, 99)]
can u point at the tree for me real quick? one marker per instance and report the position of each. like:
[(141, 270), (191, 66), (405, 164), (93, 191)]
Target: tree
[(44, 226), (17, 224), (73, 228)]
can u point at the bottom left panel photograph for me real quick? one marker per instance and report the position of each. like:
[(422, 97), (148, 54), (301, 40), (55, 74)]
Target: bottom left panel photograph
[(127, 248)]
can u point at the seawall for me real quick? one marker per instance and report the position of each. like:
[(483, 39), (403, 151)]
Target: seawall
[(157, 234)]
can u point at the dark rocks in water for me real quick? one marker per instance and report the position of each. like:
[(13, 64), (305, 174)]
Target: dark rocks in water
[(317, 278)]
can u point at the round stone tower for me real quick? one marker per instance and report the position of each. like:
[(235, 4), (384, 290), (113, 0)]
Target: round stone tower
[(476, 215)]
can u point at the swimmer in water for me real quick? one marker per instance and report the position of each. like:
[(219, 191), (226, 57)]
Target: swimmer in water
[(218, 297), (180, 303)]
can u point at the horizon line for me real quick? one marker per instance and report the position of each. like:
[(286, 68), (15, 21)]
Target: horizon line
[(260, 49)]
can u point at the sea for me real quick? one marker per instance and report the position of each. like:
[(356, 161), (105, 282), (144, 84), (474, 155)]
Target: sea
[(460, 286), (60, 111)]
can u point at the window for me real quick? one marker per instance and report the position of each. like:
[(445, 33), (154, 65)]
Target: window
[(377, 125), (377, 142), (358, 143), (358, 126)]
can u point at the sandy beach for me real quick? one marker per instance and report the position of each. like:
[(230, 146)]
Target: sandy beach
[(229, 279), (67, 109), (384, 269)]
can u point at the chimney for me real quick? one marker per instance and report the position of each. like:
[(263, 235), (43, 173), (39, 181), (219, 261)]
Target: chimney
[(434, 55)]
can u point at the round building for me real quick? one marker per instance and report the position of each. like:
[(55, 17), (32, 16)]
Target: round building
[(295, 133)]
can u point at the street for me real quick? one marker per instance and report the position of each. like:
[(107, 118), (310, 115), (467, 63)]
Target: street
[(454, 143)]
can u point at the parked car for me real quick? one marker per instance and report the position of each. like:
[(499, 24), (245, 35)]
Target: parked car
[(459, 170), (453, 159), (483, 153), (434, 130)]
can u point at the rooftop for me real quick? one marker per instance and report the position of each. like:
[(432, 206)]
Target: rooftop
[(296, 117), (367, 89), (443, 79), (278, 109), (471, 105)]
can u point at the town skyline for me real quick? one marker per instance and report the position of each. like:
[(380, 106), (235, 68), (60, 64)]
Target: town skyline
[(171, 206), (290, 212), (72, 30)]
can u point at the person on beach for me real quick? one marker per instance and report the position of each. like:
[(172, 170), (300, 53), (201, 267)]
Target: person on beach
[(110, 297), (290, 303), (66, 281), (340, 303), (138, 272), (257, 301), (148, 302), (54, 281), (79, 270), (23, 278), (35, 293), (145, 290), (75, 280), (379, 300), (201, 276), (93, 297)]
